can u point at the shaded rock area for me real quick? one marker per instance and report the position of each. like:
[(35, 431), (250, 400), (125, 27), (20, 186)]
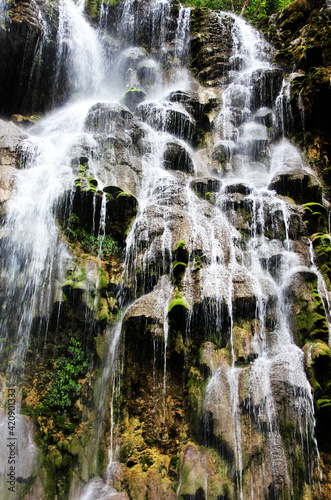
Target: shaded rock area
[(28, 58), (176, 157), (301, 34), (298, 185)]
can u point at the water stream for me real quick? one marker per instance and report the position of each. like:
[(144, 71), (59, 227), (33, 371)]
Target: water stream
[(228, 285)]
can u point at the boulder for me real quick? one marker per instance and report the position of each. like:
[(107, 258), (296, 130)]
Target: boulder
[(223, 151), (107, 117), (177, 157), (132, 98), (299, 185), (147, 72), (198, 108), (264, 116), (168, 117), (10, 137), (238, 188), (121, 208), (205, 185)]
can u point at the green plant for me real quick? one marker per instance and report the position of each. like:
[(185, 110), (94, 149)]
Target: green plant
[(64, 386), (97, 245)]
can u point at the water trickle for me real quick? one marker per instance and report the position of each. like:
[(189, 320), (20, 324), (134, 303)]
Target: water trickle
[(79, 58), (183, 34)]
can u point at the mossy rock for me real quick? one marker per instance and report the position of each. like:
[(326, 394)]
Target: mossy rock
[(75, 446), (132, 98), (178, 271), (180, 252)]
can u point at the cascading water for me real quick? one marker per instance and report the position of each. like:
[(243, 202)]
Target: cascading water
[(199, 389)]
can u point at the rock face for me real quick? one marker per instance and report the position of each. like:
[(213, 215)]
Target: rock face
[(301, 34), (299, 185), (28, 58), (212, 48), (10, 138), (161, 312)]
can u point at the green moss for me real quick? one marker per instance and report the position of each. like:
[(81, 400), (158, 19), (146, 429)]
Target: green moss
[(103, 282), (180, 244), (177, 303), (92, 9), (75, 446), (92, 182)]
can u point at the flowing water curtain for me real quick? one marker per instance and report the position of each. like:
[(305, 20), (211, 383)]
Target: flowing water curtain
[(203, 352)]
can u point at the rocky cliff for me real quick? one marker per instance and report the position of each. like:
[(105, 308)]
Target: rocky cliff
[(165, 251)]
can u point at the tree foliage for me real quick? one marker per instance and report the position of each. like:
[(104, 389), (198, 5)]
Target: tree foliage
[(250, 9)]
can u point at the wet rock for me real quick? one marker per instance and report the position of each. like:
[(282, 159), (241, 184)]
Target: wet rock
[(26, 79), (96, 489), (198, 108), (238, 188), (147, 72), (211, 46), (168, 117), (177, 157), (264, 116), (285, 157), (243, 349), (266, 87), (149, 310), (253, 140), (106, 118), (132, 98), (10, 138), (239, 96), (205, 185), (120, 210), (299, 185), (24, 448), (130, 59), (307, 313), (223, 151), (217, 404), (197, 472)]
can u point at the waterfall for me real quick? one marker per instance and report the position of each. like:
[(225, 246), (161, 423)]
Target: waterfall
[(149, 254)]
